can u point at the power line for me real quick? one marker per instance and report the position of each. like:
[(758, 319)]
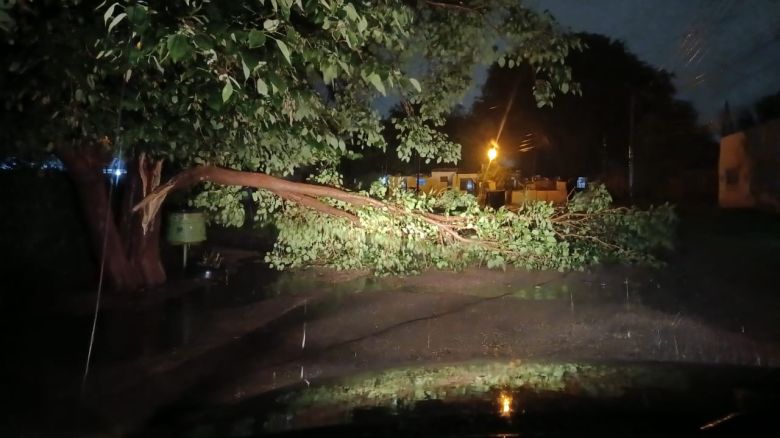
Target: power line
[(113, 184)]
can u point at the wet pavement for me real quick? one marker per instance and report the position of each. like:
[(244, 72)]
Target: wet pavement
[(197, 345)]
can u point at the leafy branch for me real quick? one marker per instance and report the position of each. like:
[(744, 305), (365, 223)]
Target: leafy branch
[(403, 232)]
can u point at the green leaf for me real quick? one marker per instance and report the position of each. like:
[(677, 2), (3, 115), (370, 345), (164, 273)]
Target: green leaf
[(565, 87), (256, 39), (501, 61), (178, 47), (344, 67), (329, 73), (109, 12), (285, 51), (137, 15), (262, 87), (203, 42), (332, 140), (245, 69), (227, 91), (277, 84), (351, 12), (116, 21), (376, 81), (416, 84), (270, 25)]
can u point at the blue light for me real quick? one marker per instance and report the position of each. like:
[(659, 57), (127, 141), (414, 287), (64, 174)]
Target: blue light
[(49, 163), (52, 163), (116, 168), (8, 164), (469, 185), (582, 183)]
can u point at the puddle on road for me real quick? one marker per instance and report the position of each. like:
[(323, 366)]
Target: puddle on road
[(502, 392)]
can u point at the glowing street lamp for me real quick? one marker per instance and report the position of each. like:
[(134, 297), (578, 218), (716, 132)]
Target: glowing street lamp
[(493, 151)]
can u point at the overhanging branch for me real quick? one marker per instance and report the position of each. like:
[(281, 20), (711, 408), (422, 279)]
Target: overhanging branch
[(311, 195), (307, 195)]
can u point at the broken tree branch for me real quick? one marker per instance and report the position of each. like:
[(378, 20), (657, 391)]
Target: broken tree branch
[(301, 193)]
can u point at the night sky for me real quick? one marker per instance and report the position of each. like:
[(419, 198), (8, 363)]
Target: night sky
[(718, 49)]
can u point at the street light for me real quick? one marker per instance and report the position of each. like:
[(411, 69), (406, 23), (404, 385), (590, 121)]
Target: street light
[(492, 153)]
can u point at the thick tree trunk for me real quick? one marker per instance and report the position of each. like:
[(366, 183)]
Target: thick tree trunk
[(143, 249), (145, 254), (85, 168), (129, 253)]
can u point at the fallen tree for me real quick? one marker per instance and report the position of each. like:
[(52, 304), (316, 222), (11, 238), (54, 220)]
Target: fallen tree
[(398, 232)]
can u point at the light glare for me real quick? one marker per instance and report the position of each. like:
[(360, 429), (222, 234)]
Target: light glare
[(505, 401)]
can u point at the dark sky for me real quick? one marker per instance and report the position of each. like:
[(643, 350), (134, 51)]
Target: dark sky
[(718, 49)]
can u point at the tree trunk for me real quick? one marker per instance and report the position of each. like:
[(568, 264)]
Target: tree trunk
[(128, 249), (143, 248), (85, 167)]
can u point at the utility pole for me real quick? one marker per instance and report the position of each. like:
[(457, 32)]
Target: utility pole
[(631, 124)]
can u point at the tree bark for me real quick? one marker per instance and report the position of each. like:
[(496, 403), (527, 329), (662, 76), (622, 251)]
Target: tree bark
[(85, 167), (143, 248), (128, 249), (307, 195)]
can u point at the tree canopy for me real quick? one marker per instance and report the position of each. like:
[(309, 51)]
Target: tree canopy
[(265, 86), (243, 93)]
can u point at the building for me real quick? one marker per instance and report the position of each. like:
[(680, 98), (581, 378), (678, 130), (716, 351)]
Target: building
[(539, 189), (749, 167), (439, 180), (443, 178)]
